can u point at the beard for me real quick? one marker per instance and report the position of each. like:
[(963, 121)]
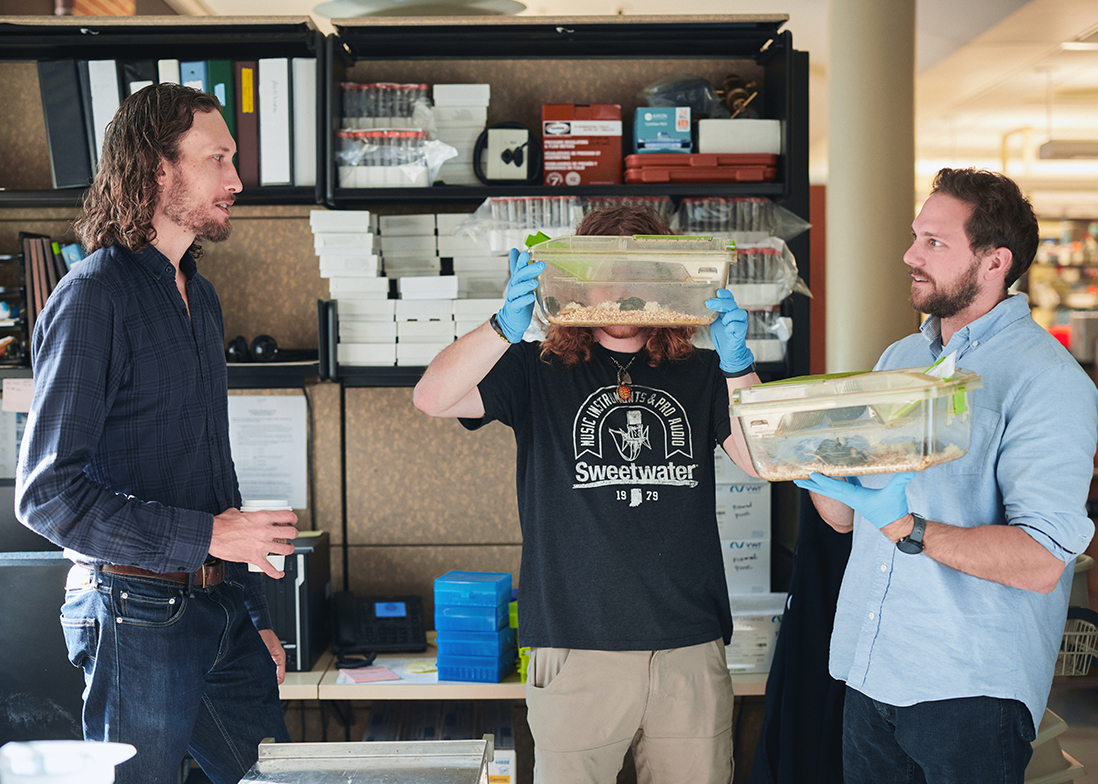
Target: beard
[(948, 303), (622, 332), (182, 210)]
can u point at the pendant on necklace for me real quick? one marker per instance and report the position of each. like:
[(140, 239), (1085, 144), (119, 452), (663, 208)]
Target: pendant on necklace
[(625, 392)]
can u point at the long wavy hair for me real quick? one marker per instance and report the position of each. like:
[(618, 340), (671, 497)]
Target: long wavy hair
[(145, 132), (572, 345)]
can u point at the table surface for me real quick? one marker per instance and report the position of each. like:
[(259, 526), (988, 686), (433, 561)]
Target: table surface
[(322, 683)]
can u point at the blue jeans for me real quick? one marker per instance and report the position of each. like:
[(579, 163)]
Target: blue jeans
[(969, 740), (172, 669)]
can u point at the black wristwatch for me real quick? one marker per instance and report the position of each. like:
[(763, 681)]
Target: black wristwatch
[(912, 544)]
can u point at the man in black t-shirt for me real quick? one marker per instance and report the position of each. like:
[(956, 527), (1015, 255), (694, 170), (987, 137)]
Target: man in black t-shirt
[(623, 596)]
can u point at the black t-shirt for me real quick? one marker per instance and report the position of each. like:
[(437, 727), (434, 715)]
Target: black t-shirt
[(620, 549)]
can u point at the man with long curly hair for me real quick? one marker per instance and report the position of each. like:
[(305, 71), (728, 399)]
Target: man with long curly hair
[(622, 596), (125, 461)]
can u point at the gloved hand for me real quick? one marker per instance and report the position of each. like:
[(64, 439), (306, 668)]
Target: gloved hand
[(729, 332), (879, 506), (518, 308)]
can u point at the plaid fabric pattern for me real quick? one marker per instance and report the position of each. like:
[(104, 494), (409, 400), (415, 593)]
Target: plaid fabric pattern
[(126, 457)]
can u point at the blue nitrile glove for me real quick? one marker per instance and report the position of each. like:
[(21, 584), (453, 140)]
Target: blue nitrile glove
[(729, 333), (518, 309), (880, 507)]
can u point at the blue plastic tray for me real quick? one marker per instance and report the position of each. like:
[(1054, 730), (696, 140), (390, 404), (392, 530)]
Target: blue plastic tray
[(482, 589)]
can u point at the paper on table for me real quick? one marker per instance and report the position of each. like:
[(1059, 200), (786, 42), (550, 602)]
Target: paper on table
[(367, 675), (406, 670)]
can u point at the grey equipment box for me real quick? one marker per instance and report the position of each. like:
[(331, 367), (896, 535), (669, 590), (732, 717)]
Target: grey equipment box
[(300, 603)]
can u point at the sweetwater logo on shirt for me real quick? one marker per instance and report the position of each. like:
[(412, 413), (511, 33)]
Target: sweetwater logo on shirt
[(610, 438)]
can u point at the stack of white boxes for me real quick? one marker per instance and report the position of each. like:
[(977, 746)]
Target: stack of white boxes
[(480, 273), (424, 313), (461, 114), (743, 520), (344, 241)]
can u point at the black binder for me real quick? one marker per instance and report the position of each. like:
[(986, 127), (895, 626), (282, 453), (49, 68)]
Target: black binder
[(66, 131)]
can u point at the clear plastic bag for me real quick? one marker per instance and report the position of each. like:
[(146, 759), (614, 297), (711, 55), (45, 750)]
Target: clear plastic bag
[(661, 205), (683, 89), (764, 274), (501, 223), (719, 214)]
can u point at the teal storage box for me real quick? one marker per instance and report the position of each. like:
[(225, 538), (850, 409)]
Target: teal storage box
[(661, 129), (480, 589), (470, 618), (486, 669), (466, 643)]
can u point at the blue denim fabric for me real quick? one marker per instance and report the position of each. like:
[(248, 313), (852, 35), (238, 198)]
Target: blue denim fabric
[(172, 670), (970, 740)]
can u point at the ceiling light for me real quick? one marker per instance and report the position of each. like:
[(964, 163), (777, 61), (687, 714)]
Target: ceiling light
[(1068, 148), (1079, 46)]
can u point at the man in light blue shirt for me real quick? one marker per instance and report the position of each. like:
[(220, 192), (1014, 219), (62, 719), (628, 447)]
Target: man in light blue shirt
[(955, 596)]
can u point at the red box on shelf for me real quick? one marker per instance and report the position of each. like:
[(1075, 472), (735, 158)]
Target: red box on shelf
[(701, 167), (581, 144)]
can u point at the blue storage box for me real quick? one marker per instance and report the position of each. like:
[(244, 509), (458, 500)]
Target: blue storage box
[(470, 618), (487, 669), (481, 589), (466, 643)]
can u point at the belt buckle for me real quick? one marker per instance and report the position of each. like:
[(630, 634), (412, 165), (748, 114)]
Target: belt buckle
[(204, 577)]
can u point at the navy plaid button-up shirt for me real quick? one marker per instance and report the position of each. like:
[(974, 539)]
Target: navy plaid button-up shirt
[(125, 458)]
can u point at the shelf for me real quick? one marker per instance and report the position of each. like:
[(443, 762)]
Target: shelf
[(73, 197), (271, 375), (343, 197)]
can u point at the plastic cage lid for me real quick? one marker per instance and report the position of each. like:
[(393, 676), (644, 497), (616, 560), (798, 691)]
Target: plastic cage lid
[(811, 393), (637, 243)]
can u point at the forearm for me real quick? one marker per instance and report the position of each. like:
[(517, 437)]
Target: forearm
[(835, 513), (736, 444), (448, 388), (999, 553)]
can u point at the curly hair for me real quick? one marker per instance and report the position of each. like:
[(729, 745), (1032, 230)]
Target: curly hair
[(145, 132), (572, 345), (1001, 216)]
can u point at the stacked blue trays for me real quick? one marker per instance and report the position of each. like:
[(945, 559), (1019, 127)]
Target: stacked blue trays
[(475, 640)]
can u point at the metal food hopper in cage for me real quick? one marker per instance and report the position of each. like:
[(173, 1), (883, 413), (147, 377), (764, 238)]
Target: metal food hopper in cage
[(382, 762)]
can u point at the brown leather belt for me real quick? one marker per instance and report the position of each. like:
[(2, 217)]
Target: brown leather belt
[(208, 576)]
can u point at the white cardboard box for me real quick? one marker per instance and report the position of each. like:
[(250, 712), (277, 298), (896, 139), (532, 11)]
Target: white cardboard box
[(339, 220), (361, 309), (423, 309), (363, 331), (417, 354), (478, 265), (740, 136), (338, 240), (461, 115), (410, 243), (756, 621), (374, 354), (747, 565), (401, 225), (502, 770), (450, 246), (424, 331), (429, 287), (449, 222), (475, 94), (358, 287), (477, 308), (743, 510)]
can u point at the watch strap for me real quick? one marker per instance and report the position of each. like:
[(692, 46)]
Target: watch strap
[(912, 544)]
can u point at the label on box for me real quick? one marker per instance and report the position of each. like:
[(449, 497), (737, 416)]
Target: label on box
[(743, 510), (662, 129), (747, 565), (581, 144)]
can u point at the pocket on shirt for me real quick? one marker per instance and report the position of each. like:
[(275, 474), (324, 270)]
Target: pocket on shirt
[(985, 437)]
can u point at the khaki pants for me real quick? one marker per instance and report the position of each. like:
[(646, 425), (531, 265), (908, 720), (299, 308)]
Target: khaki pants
[(673, 708)]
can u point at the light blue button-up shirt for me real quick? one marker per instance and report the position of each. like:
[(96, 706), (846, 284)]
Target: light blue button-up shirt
[(908, 629)]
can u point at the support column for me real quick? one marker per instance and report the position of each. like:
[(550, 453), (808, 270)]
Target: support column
[(871, 176)]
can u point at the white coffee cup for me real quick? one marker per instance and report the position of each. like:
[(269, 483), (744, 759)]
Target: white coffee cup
[(269, 505)]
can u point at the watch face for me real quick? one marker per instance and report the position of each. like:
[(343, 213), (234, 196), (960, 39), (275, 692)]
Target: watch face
[(907, 546)]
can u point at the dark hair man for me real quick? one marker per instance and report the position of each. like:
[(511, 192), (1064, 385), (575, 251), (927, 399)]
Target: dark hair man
[(955, 595), (125, 460)]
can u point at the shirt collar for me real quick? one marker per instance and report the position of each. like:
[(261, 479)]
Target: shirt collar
[(972, 334), (156, 263)]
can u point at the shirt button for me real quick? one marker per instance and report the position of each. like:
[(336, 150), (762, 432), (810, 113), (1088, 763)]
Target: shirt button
[(975, 343), (872, 616), (884, 567)]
